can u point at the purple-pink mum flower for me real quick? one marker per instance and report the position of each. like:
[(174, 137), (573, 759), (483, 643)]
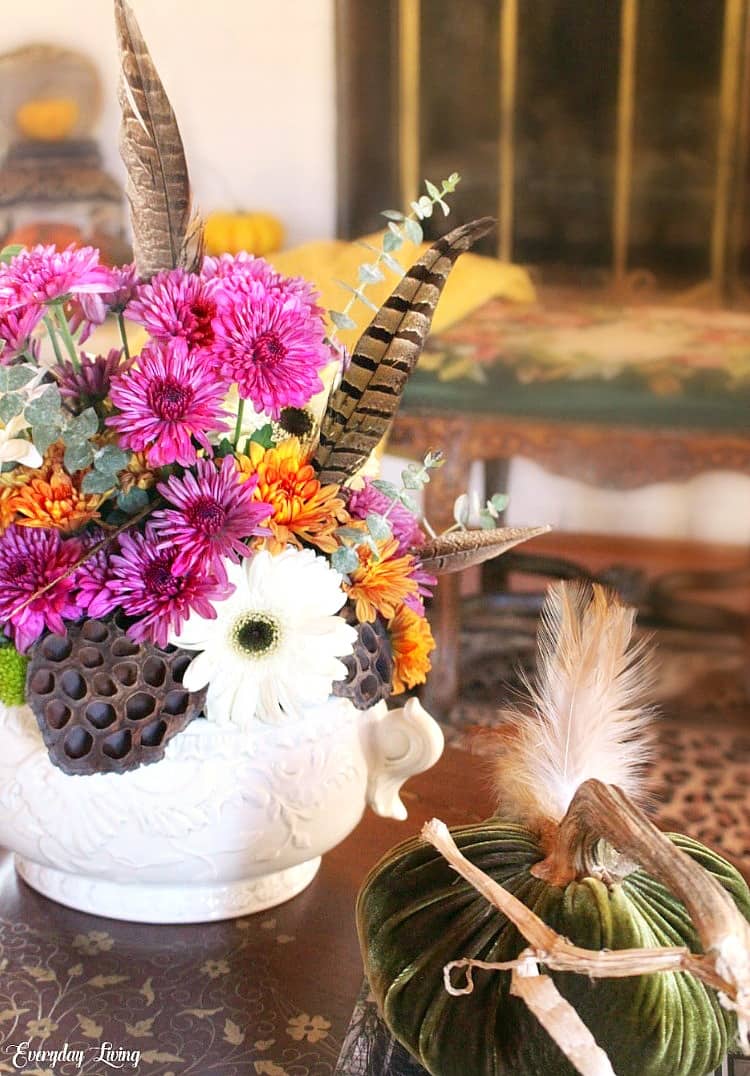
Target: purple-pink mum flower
[(176, 304), (94, 594), (214, 514), (16, 327), (90, 310), (272, 348), (404, 525), (165, 400), (238, 272), (45, 274), (90, 384), (425, 583), (150, 588), (30, 558)]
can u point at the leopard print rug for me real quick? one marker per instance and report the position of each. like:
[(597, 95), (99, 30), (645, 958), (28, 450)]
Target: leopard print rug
[(700, 778)]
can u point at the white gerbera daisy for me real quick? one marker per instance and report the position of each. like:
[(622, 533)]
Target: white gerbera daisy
[(275, 644), (15, 449)]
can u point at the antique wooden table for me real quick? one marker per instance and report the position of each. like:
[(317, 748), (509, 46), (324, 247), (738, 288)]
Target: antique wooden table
[(666, 421), (269, 995)]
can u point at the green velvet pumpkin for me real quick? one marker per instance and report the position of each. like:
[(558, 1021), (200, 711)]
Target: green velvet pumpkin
[(415, 914)]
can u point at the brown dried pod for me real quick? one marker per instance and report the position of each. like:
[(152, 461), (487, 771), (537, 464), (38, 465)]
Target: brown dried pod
[(105, 703), (369, 666)]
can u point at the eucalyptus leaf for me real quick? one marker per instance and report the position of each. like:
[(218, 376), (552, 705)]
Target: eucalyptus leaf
[(432, 190), (392, 214), (10, 406), (388, 488), (133, 501), (98, 482), (413, 231), (368, 302), (487, 521), (425, 204), (499, 501), (347, 287), (392, 241), (45, 409), (461, 509), (378, 527), (44, 436), (345, 560), (392, 264), (13, 378), (408, 502), (342, 320), (417, 209), (370, 273), (111, 459), (86, 424), (78, 455)]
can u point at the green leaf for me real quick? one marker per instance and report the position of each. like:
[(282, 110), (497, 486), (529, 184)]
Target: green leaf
[(13, 378), (387, 488), (341, 320), (85, 425), (111, 459), (45, 409), (416, 208), (409, 503), (392, 214), (97, 482), (487, 521), (413, 231), (378, 526), (370, 274), (434, 459), (263, 436), (7, 254), (414, 477), (78, 455), (133, 501), (10, 406), (461, 509), (345, 560), (392, 241), (392, 264), (44, 436), (432, 190), (499, 501)]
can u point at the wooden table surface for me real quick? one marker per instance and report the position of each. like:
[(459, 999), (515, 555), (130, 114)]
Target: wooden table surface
[(268, 995)]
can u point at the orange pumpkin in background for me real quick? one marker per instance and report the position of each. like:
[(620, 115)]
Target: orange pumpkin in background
[(230, 233), (47, 119), (47, 232)]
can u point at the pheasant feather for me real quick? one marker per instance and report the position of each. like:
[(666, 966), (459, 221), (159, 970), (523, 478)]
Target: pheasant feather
[(458, 550), (584, 716), (166, 233), (363, 406)]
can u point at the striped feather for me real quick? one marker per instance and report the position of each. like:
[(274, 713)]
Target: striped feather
[(462, 549), (362, 408)]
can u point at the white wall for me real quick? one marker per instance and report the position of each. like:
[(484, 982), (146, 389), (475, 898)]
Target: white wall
[(251, 82)]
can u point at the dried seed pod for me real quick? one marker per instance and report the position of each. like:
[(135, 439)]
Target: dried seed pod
[(370, 665), (105, 703)]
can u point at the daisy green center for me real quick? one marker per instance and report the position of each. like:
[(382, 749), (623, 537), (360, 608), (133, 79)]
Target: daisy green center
[(255, 635)]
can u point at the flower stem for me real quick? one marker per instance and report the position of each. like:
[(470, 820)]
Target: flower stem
[(50, 326), (238, 426), (123, 334), (67, 336)]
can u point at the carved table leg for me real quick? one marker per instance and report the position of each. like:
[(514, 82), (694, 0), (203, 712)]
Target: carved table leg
[(447, 483)]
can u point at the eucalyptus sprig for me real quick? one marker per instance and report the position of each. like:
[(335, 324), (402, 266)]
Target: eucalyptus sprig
[(468, 506), (401, 227)]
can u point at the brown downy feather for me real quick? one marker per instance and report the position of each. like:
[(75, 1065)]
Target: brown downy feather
[(166, 232), (584, 715), (463, 549), (363, 406)]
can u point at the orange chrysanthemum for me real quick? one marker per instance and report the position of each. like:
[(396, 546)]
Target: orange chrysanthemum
[(303, 510), (53, 498), (411, 643), (381, 583)]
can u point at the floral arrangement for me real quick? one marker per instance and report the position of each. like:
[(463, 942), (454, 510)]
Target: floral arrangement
[(203, 486)]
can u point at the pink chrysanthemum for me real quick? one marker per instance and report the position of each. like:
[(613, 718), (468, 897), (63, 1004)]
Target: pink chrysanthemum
[(45, 274), (93, 592), (150, 588), (165, 400), (177, 304), (16, 327), (30, 558), (272, 348), (425, 582), (238, 272), (404, 526), (214, 514), (90, 384), (90, 310)]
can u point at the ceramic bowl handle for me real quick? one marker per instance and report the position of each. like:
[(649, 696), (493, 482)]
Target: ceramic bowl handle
[(398, 744)]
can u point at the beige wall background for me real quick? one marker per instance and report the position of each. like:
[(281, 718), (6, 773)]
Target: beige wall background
[(253, 85), (251, 82)]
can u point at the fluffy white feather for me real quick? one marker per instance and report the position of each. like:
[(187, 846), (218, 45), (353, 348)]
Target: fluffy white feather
[(584, 715)]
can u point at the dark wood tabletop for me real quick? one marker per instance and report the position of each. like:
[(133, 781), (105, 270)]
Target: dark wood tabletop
[(268, 995)]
